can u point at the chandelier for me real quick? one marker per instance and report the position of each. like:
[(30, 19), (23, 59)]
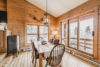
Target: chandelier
[(46, 18)]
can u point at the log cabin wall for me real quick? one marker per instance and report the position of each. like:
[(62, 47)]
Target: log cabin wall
[(99, 35), (88, 6), (20, 13), (3, 42), (3, 5)]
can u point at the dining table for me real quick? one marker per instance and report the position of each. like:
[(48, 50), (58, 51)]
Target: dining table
[(43, 49)]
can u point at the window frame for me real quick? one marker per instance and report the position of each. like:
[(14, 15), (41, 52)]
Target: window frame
[(38, 33), (95, 27), (42, 34), (28, 34), (73, 20), (64, 34), (84, 18)]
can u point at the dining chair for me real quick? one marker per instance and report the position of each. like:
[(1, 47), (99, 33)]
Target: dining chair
[(55, 56), (51, 40), (35, 54), (56, 41)]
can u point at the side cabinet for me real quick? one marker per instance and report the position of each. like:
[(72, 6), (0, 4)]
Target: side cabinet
[(12, 44)]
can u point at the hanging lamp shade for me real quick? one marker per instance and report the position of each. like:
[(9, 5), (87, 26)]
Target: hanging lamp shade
[(46, 19)]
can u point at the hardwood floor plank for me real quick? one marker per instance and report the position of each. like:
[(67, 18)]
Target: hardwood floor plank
[(24, 59), (2, 64), (9, 62), (25, 63), (19, 61), (29, 56), (2, 56)]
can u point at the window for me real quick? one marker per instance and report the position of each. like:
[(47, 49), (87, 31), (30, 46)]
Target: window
[(73, 34), (31, 33), (82, 34), (64, 33), (86, 37), (43, 33), (35, 32)]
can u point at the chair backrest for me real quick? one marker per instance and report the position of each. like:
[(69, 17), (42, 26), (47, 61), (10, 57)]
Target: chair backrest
[(51, 40), (56, 55), (34, 50), (33, 46), (56, 41)]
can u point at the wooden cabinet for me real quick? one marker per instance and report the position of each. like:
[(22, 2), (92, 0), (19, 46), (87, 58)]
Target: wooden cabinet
[(3, 41), (12, 44)]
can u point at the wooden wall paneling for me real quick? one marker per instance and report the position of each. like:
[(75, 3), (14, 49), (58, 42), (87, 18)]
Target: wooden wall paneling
[(3, 5), (61, 32), (99, 33), (3, 41), (21, 12), (95, 37), (60, 27), (68, 35)]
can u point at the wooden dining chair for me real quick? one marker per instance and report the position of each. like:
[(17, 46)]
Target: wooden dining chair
[(56, 41), (55, 56), (35, 54), (51, 40)]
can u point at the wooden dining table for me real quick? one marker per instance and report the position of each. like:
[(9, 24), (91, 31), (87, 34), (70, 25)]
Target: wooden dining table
[(43, 49)]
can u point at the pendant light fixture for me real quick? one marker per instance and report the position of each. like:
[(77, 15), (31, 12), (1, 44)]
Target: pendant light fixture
[(46, 15)]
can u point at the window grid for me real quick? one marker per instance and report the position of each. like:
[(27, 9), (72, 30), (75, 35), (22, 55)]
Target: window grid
[(35, 32), (88, 41)]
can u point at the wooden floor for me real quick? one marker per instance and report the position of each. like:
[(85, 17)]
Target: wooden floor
[(24, 60), (2, 56), (72, 61)]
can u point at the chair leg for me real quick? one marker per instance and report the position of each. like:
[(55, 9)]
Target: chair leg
[(35, 62), (46, 65), (32, 59)]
